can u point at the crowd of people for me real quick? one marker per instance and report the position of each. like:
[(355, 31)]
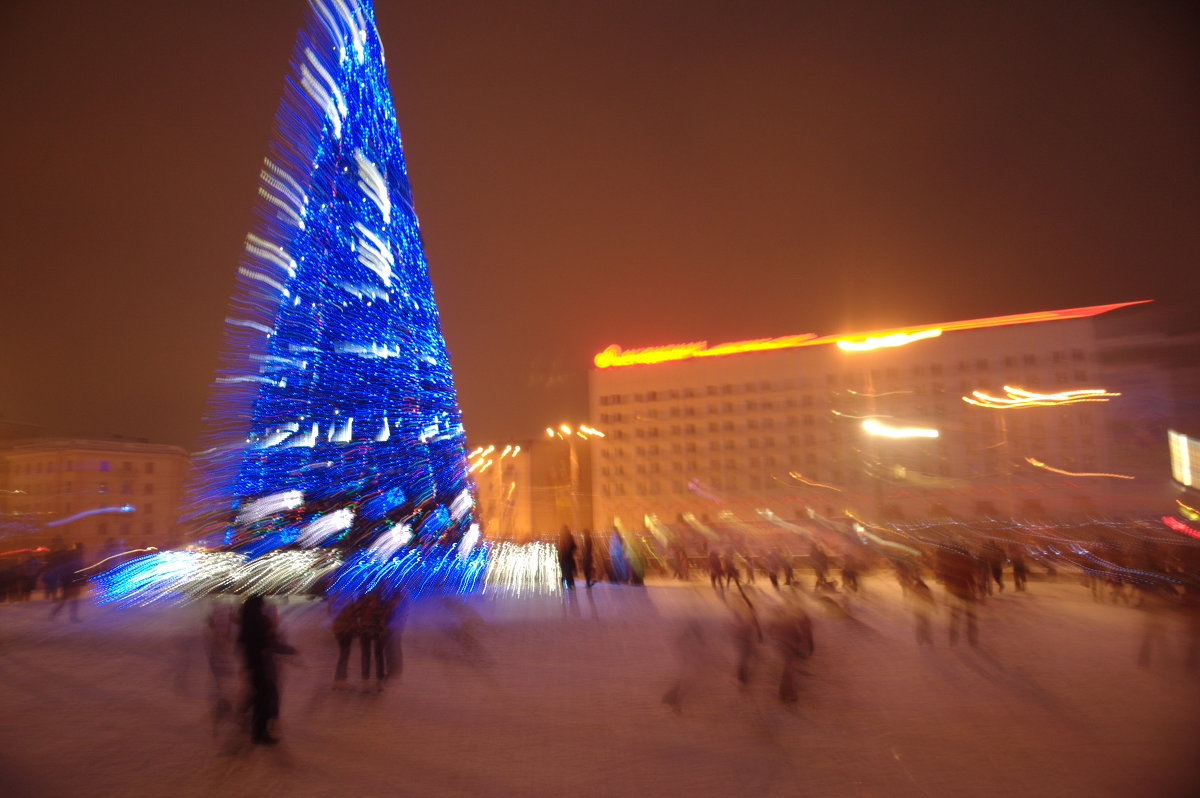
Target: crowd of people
[(59, 570), (765, 590)]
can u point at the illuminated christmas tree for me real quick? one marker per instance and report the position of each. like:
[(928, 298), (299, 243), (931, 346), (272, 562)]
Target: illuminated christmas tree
[(334, 435)]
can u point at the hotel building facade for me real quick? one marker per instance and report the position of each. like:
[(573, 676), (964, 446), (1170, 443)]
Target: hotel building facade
[(1013, 417)]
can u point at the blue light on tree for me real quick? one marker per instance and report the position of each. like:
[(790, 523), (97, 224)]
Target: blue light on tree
[(334, 423)]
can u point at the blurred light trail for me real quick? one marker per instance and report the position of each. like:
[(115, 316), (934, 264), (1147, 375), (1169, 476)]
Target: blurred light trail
[(124, 508), (878, 342), (1019, 397), (873, 427), (1040, 464), (613, 355), (800, 478)]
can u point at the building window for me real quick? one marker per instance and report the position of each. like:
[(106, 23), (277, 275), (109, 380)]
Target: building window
[(103, 488), (103, 465), (148, 488)]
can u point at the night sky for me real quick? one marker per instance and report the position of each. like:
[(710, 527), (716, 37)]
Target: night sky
[(637, 172)]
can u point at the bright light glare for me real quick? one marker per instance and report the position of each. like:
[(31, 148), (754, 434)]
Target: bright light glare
[(1040, 464), (873, 427), (895, 339), (1019, 397)]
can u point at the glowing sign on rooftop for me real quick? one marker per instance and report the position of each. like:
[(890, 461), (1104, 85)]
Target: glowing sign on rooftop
[(615, 356), (895, 339)]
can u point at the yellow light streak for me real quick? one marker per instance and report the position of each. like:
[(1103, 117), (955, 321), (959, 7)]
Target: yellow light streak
[(1040, 464), (800, 478), (878, 342), (873, 427), (1019, 397)]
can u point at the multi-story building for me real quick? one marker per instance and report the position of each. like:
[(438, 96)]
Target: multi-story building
[(1001, 418), (97, 492)]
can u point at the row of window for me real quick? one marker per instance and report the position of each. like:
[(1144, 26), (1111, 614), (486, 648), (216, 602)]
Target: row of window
[(856, 378), (67, 508), (43, 489), (84, 465), (806, 400)]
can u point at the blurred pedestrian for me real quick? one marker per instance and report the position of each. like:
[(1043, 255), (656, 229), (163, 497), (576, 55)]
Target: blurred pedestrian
[(820, 565), (566, 558), (791, 630), (993, 561), (747, 634), (772, 564), (346, 629), (716, 571), (851, 567), (72, 579), (691, 650), (261, 643), (585, 559), (729, 567), (921, 598), (1020, 569), (220, 646), (374, 627), (959, 573)]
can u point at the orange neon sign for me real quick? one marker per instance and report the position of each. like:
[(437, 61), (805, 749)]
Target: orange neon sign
[(615, 356)]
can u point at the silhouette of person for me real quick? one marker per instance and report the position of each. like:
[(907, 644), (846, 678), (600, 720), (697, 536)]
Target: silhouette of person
[(260, 641)]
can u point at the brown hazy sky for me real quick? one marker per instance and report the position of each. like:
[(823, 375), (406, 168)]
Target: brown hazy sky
[(633, 171)]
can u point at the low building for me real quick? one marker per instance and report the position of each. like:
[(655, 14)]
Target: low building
[(101, 493)]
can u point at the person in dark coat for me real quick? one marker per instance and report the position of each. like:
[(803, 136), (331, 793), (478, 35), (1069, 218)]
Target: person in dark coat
[(791, 629), (71, 580), (716, 571), (375, 629), (585, 559), (820, 566), (261, 642), (345, 629), (566, 558), (959, 573)]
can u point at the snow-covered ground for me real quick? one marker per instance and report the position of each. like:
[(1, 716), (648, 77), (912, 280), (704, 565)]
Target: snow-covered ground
[(552, 700)]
